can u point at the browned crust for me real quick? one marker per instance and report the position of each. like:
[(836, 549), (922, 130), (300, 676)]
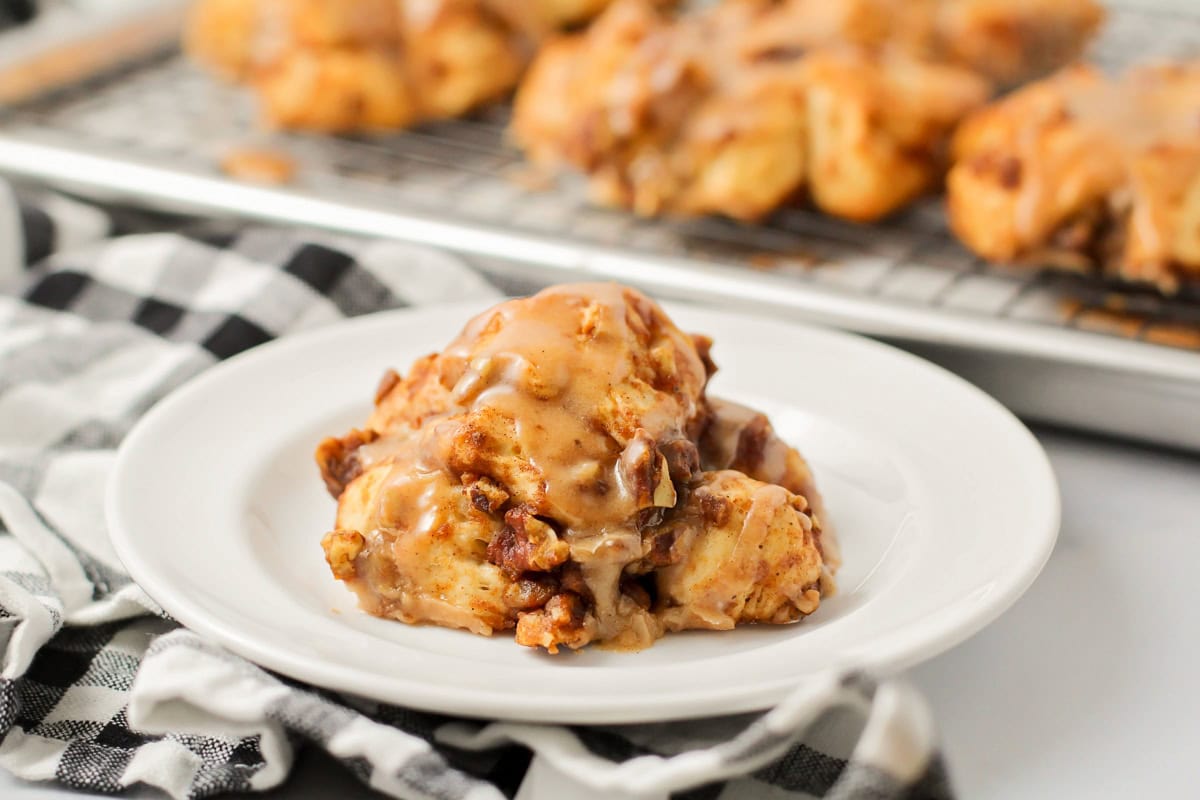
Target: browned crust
[(430, 517), (338, 459), (564, 621), (342, 549), (526, 544)]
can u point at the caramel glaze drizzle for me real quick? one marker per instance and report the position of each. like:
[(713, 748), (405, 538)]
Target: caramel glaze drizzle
[(1120, 126), (585, 403)]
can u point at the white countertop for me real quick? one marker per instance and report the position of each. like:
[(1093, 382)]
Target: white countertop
[(1086, 688)]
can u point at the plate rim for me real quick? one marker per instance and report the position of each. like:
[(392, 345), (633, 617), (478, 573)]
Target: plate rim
[(948, 631)]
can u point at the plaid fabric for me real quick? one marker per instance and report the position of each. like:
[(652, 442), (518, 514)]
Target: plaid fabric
[(15, 12), (100, 691)]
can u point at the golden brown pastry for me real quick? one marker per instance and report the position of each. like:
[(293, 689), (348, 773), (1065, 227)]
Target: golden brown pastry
[(1084, 172), (728, 111), (331, 65), (741, 551), (559, 470), (1007, 41)]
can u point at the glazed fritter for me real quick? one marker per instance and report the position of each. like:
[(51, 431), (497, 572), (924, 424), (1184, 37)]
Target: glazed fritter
[(1006, 41), (1087, 173), (335, 66), (559, 470), (741, 551), (731, 111)]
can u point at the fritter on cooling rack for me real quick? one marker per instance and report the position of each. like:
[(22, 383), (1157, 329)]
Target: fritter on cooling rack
[(1083, 172), (560, 471), (329, 65), (724, 112), (1007, 41)]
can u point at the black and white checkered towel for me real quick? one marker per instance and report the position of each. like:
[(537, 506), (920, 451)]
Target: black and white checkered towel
[(100, 691)]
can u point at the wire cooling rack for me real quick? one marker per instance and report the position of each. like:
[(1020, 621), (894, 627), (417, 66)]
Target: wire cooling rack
[(1056, 347)]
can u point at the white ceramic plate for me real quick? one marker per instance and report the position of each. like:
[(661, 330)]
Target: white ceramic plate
[(945, 505)]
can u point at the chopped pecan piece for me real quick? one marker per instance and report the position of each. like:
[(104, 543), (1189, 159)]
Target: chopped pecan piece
[(526, 544), (564, 621), (338, 459), (530, 592), (486, 495), (752, 444), (342, 548), (683, 459), (646, 473)]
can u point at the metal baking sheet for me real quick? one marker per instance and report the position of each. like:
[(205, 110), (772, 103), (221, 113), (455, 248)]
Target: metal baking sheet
[(1054, 347)]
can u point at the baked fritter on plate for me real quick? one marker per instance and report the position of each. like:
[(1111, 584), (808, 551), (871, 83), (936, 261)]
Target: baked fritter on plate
[(559, 470), (334, 66), (1087, 173)]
